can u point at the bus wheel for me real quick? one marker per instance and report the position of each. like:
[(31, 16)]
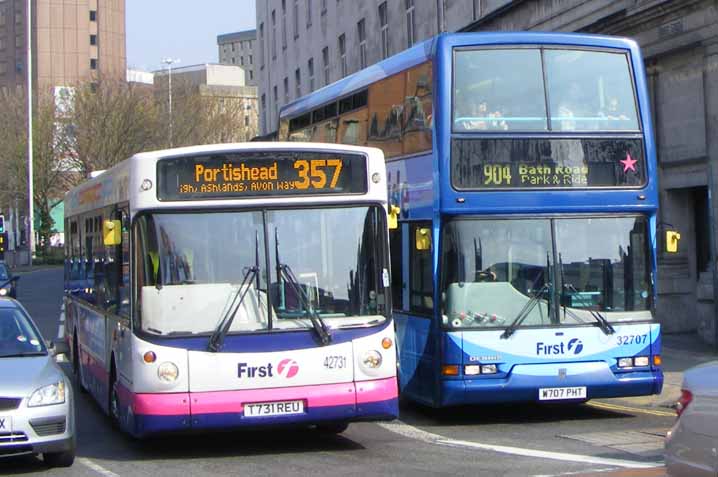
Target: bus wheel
[(114, 401), (333, 428), (76, 368)]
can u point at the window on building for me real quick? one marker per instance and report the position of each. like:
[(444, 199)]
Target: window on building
[(410, 25), (93, 63), (384, 23), (232, 46), (310, 73), (286, 90), (296, 19), (342, 43), (361, 33), (246, 121), (3, 68), (264, 109), (261, 44), (309, 13), (284, 24), (251, 75), (251, 60), (274, 35), (2, 18), (324, 7), (298, 83), (93, 39), (233, 59), (19, 43), (477, 9), (2, 43), (325, 64), (93, 15), (241, 60)]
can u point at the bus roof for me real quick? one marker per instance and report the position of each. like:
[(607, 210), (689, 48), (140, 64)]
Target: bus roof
[(115, 185), (426, 49)]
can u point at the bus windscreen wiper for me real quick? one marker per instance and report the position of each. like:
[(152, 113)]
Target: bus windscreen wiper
[(285, 273), (252, 274), (602, 321), (524, 313)]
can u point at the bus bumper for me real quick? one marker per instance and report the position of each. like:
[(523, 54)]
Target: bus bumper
[(524, 382), (149, 414)]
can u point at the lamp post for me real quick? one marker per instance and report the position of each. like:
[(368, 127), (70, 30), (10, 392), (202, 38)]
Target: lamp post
[(169, 62), (30, 192)]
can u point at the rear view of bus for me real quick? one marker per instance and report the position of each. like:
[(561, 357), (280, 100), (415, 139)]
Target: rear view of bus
[(259, 292)]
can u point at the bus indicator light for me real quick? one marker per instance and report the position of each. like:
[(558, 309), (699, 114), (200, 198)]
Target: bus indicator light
[(450, 370), (149, 357), (386, 343)]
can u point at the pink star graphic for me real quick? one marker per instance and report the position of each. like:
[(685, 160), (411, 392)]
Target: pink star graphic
[(628, 163)]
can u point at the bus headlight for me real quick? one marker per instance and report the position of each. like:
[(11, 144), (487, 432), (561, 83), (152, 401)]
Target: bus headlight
[(640, 361), (3, 291), (372, 359), (488, 369), (625, 362), (168, 372)]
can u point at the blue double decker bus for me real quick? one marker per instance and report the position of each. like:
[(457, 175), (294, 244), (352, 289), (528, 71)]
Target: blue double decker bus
[(522, 170)]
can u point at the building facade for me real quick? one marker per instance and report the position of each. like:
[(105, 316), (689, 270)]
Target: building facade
[(306, 44), (74, 41), (224, 86), (237, 49)]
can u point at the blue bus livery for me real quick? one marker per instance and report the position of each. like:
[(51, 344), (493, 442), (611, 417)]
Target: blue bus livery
[(524, 169)]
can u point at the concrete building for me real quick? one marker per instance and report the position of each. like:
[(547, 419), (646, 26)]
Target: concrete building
[(73, 41), (224, 85), (305, 44), (238, 49)]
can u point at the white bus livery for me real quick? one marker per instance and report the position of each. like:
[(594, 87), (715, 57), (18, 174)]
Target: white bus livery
[(218, 287)]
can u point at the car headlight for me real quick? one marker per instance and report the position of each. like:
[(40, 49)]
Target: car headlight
[(168, 372), (372, 359), (47, 395), (3, 291)]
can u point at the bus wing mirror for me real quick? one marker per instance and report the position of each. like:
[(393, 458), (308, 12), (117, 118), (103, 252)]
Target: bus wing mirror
[(672, 238), (112, 232), (423, 239), (394, 217)]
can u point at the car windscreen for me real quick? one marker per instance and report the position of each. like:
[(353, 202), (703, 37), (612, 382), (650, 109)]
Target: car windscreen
[(18, 337)]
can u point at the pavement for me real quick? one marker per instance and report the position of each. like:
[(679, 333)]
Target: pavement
[(680, 352)]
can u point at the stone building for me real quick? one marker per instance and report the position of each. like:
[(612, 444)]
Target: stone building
[(306, 44), (73, 41), (223, 85), (238, 49)]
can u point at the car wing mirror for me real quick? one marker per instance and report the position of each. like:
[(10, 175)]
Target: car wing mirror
[(58, 347)]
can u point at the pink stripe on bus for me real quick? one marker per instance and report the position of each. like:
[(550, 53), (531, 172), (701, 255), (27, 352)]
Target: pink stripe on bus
[(378, 390), (233, 401), (323, 395), (161, 404)]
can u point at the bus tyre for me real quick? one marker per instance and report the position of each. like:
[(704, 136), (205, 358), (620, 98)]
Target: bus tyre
[(76, 371), (114, 401), (60, 459), (333, 428)]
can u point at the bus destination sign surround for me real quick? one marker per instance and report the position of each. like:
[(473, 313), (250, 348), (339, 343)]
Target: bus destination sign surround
[(233, 175), (531, 163)]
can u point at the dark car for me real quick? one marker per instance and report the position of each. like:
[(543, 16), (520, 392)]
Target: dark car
[(8, 281)]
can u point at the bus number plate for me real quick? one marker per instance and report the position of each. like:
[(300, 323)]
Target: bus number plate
[(548, 394), (5, 424), (280, 408)]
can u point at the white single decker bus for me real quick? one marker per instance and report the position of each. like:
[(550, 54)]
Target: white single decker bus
[(224, 286)]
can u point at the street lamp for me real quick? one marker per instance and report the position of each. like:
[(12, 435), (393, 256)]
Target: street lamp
[(169, 62), (30, 192)]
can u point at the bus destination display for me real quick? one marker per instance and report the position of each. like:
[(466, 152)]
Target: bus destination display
[(547, 163), (223, 176)]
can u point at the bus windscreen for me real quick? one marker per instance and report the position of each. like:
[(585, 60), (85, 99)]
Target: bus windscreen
[(223, 176)]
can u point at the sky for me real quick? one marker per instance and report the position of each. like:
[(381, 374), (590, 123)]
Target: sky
[(181, 29)]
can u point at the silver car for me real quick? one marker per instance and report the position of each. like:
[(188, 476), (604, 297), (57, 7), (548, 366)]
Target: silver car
[(692, 443), (37, 414)]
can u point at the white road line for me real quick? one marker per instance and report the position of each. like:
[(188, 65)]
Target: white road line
[(418, 434), (96, 467)]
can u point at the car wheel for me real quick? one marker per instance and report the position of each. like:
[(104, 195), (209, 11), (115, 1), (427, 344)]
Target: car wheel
[(59, 459), (334, 428)]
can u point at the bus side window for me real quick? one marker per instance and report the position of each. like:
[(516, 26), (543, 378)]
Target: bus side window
[(420, 270), (397, 278)]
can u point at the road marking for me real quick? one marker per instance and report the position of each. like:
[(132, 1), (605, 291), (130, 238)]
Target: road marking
[(617, 407), (96, 467), (418, 434)]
